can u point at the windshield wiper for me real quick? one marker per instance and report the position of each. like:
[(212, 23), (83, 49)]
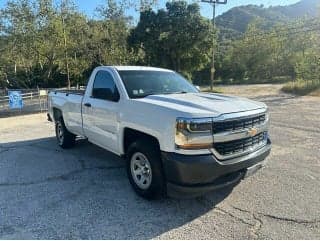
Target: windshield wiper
[(145, 95), (179, 92), (159, 93)]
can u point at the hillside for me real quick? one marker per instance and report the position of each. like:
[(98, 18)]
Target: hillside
[(235, 21)]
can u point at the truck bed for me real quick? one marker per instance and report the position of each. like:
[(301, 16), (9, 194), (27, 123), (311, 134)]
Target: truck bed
[(69, 102)]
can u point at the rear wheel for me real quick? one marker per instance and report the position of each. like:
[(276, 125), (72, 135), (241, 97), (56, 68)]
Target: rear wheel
[(65, 138), (144, 169)]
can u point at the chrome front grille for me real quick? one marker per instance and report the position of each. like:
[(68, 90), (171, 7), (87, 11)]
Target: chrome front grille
[(238, 124), (240, 146), (239, 134)]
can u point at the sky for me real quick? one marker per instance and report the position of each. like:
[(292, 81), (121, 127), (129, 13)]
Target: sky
[(88, 6)]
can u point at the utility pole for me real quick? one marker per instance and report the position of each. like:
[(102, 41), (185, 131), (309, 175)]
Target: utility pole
[(64, 9), (66, 53), (213, 3)]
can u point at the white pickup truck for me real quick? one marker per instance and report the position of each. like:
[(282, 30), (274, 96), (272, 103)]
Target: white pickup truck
[(176, 140)]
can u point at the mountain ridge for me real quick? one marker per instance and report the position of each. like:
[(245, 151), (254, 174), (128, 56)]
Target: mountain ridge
[(236, 20)]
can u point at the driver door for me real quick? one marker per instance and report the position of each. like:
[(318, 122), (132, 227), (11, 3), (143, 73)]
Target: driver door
[(100, 112)]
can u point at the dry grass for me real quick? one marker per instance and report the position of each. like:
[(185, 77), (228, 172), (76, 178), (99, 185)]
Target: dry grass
[(249, 91), (302, 88), (215, 90)]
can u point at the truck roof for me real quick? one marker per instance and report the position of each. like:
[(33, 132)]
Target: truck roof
[(141, 68)]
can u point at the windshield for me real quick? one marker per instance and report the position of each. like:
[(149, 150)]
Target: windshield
[(141, 83)]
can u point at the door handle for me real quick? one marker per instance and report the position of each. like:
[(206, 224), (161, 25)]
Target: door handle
[(87, 104)]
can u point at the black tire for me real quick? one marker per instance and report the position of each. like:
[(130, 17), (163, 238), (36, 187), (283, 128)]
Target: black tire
[(151, 151), (65, 138)]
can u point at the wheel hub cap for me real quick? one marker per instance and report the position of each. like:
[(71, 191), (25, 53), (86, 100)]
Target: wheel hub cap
[(59, 133), (141, 170)]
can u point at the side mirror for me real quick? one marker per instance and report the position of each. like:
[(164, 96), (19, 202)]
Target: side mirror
[(197, 87), (102, 93), (106, 94)]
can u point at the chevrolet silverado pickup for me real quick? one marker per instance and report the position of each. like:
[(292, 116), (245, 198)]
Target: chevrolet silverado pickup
[(176, 140)]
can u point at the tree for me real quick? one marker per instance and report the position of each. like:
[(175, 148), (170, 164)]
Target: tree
[(178, 37), (18, 32), (48, 43)]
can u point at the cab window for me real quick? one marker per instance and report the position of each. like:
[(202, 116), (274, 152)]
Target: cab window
[(104, 87)]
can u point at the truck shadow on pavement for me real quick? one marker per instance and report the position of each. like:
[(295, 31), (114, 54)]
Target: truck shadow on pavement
[(82, 193)]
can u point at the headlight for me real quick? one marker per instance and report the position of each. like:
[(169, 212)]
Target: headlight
[(194, 134)]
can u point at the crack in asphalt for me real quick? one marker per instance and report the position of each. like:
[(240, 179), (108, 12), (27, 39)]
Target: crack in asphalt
[(4, 150), (233, 216), (255, 228), (207, 203), (285, 219), (256, 217), (63, 177)]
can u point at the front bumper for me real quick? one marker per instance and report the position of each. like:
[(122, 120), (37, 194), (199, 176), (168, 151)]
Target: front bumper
[(193, 175)]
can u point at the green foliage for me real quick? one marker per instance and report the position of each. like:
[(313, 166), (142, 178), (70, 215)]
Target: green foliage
[(284, 52), (46, 44), (177, 37)]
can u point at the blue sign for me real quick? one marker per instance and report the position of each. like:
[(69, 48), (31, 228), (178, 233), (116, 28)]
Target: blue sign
[(15, 100)]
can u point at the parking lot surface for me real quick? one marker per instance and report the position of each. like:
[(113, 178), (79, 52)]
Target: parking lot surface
[(84, 193)]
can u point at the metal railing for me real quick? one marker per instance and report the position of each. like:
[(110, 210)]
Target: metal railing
[(33, 101)]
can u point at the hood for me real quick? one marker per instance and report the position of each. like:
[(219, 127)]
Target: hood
[(203, 103)]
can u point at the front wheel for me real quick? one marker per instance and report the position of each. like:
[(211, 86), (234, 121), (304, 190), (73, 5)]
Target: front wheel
[(65, 138), (144, 169)]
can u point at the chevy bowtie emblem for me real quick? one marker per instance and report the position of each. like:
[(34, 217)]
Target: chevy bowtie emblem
[(252, 132)]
